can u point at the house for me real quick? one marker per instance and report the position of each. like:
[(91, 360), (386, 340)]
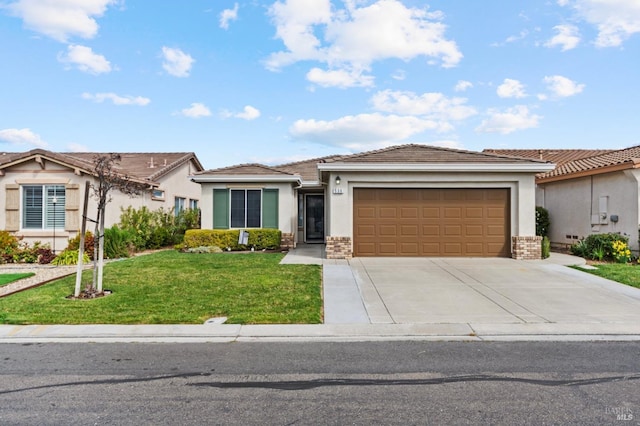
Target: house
[(407, 200), (590, 191), (43, 191)]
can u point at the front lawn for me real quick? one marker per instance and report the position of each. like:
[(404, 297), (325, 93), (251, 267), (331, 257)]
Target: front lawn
[(180, 288), (623, 273), (9, 278)]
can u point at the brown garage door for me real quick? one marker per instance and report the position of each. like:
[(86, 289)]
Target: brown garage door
[(431, 222)]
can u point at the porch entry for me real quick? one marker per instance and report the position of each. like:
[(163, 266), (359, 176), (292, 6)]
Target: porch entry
[(314, 218)]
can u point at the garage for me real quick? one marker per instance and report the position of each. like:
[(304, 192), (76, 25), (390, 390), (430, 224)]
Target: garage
[(447, 222)]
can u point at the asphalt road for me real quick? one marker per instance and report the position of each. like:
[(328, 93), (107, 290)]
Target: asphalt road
[(321, 383)]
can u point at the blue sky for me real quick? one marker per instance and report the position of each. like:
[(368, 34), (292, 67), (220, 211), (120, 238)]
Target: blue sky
[(274, 82)]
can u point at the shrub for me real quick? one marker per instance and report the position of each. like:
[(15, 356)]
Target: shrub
[(69, 257), (598, 246), (258, 238), (89, 244), (117, 243), (8, 246), (546, 247), (158, 228), (542, 222)]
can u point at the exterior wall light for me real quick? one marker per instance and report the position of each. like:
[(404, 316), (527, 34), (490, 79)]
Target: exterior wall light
[(337, 180)]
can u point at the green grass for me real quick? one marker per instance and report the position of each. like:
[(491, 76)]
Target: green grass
[(9, 278), (623, 273), (180, 288)]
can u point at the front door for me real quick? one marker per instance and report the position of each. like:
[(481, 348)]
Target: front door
[(314, 218)]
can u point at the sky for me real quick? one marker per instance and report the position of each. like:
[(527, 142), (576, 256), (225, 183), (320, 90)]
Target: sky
[(280, 81)]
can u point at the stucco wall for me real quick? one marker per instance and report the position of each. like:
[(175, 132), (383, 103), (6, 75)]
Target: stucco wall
[(571, 204), (521, 185), (287, 203)]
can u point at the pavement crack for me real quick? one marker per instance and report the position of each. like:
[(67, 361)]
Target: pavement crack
[(321, 383)]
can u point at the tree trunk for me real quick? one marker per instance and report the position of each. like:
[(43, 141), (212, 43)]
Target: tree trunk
[(101, 253)]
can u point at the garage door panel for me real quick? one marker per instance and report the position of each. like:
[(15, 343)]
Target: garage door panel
[(388, 230), (431, 222)]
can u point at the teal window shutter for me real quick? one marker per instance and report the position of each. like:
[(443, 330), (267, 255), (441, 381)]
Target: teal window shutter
[(270, 208), (220, 209)]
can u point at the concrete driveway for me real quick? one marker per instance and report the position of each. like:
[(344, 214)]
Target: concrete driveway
[(488, 291)]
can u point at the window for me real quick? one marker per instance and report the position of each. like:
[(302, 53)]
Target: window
[(43, 206), (158, 194), (193, 204), (245, 208), (179, 205)]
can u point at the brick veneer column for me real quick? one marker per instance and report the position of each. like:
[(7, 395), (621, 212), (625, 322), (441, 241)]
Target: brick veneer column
[(527, 248), (338, 248), (287, 241)]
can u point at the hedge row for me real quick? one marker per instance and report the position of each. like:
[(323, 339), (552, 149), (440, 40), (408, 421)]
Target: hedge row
[(259, 239)]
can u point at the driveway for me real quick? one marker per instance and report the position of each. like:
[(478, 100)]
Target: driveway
[(487, 291)]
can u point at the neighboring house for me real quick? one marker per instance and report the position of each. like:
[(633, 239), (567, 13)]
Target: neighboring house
[(43, 191), (407, 200), (590, 191)]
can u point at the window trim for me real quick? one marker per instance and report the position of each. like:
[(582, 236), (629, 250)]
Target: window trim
[(245, 190)]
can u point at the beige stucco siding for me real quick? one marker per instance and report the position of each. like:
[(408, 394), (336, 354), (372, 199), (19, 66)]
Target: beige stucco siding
[(575, 205), (340, 197)]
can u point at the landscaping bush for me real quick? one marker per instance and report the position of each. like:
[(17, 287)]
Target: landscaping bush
[(259, 239), (542, 222), (89, 244), (117, 243), (69, 257), (158, 228), (8, 246), (546, 247), (598, 246)]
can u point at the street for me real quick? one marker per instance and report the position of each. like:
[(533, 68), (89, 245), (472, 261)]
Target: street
[(321, 383)]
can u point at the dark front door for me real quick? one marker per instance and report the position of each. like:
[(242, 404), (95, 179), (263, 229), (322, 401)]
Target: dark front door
[(314, 218)]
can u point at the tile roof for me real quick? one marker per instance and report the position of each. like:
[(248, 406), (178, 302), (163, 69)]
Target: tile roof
[(615, 160), (556, 156), (415, 153), (307, 169), (149, 166), (246, 169)]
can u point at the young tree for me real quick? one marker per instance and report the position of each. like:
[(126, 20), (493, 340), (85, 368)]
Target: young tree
[(108, 179)]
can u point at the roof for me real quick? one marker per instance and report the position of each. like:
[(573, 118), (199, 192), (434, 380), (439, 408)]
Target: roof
[(557, 156), (307, 169), (147, 166), (628, 158), (245, 173), (415, 153)]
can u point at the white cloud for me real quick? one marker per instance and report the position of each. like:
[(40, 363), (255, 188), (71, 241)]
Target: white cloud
[(248, 113), (61, 19), (21, 137), (117, 99), (362, 131), (399, 75), (511, 89), (228, 15), (567, 37), (463, 85), (83, 58), (76, 147), (563, 87), (511, 120), (176, 62), (351, 39), (434, 106), (196, 110), (616, 20), (339, 78)]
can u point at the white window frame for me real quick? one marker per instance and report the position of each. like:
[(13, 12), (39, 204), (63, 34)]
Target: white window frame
[(52, 214)]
